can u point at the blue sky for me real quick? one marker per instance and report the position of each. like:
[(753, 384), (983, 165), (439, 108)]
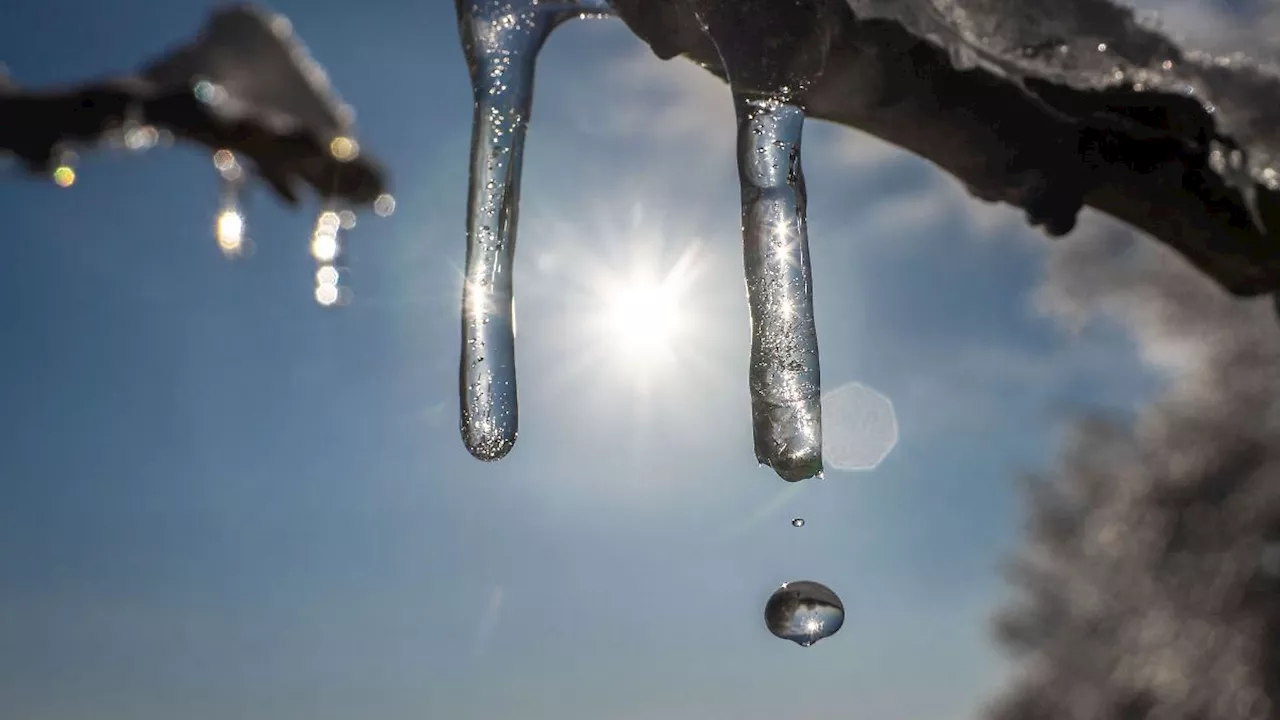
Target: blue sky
[(219, 501)]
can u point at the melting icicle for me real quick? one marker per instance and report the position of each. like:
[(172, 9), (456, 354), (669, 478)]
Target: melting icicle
[(326, 248), (229, 225), (501, 40), (785, 380)]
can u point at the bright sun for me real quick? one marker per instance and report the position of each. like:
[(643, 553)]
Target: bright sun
[(642, 319), (643, 315)]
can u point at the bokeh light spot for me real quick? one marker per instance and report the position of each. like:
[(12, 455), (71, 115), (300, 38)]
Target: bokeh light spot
[(859, 427)]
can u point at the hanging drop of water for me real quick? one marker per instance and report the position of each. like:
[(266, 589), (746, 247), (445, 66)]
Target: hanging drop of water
[(803, 612), (64, 173), (501, 40), (797, 522)]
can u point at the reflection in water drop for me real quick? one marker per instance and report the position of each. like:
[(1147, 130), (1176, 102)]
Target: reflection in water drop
[(861, 427), (501, 40), (797, 522), (804, 612)]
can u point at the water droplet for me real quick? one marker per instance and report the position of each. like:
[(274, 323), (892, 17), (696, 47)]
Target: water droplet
[(797, 522), (209, 93), (325, 247), (384, 205), (344, 149), (803, 612), (64, 176), (327, 275), (327, 295)]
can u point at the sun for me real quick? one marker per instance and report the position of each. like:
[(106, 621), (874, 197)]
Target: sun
[(641, 319), (631, 312)]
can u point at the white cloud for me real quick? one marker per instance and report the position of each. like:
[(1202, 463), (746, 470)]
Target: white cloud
[(672, 105), (939, 204)]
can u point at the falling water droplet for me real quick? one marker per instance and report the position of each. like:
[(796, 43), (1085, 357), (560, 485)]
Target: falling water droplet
[(785, 377), (501, 41), (797, 522), (803, 612)]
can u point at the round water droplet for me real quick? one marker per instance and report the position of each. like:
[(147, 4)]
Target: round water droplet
[(797, 522), (803, 612), (64, 176), (344, 149), (384, 205)]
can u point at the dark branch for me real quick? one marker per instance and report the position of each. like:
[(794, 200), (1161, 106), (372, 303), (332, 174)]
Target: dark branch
[(288, 146), (1013, 131)]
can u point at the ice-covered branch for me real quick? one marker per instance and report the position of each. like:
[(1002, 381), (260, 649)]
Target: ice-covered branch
[(40, 124), (1049, 107), (246, 85)]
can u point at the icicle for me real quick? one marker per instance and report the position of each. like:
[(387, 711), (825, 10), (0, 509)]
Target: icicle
[(229, 225), (326, 248), (785, 380), (770, 54), (501, 40)]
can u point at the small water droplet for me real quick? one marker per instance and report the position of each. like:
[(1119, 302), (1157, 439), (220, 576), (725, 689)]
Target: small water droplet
[(64, 176), (797, 522), (344, 149), (209, 93), (384, 205), (803, 612), (327, 295)]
